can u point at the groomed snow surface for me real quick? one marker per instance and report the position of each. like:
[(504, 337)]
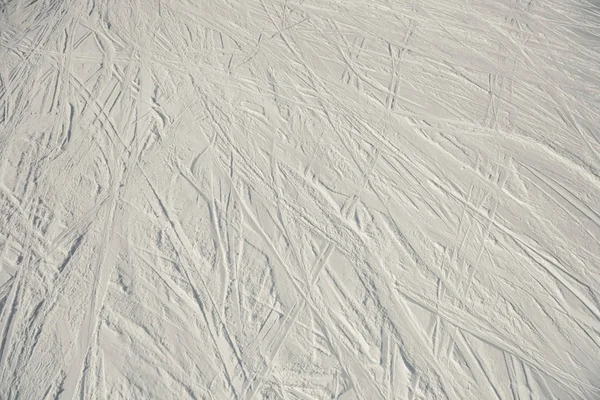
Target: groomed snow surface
[(300, 199)]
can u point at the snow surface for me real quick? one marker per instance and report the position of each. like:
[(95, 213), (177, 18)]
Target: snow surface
[(299, 199)]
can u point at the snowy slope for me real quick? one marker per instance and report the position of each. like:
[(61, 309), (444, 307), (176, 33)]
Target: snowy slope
[(299, 199)]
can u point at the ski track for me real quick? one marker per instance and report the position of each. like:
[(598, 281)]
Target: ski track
[(299, 199)]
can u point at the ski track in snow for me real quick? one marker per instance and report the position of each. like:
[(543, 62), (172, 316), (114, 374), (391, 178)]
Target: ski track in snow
[(299, 199)]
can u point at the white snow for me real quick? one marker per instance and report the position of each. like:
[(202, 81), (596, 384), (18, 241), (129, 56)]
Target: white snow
[(300, 199)]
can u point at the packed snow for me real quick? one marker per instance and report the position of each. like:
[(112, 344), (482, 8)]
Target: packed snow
[(300, 199)]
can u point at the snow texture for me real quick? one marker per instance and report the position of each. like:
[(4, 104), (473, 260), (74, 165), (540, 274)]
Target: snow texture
[(300, 199)]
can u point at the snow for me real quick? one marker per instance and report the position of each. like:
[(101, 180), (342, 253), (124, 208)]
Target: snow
[(300, 199)]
